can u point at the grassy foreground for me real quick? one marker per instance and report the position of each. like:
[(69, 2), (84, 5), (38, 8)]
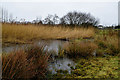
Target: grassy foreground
[(32, 63), (13, 33)]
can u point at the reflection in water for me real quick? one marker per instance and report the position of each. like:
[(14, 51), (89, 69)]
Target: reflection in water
[(51, 46), (61, 64), (13, 48)]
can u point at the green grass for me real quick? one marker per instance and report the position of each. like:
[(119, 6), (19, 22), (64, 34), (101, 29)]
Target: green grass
[(97, 67)]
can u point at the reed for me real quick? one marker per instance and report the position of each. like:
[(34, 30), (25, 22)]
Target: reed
[(31, 63), (13, 33)]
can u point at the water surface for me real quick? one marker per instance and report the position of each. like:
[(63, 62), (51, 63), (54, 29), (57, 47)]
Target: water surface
[(51, 46)]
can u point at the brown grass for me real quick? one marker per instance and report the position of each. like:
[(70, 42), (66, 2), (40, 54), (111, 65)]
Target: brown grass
[(31, 63), (80, 49), (108, 43), (15, 66), (26, 33)]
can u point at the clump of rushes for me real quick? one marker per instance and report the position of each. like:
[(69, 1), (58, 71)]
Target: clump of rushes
[(31, 63), (15, 65), (80, 49), (39, 59), (60, 52)]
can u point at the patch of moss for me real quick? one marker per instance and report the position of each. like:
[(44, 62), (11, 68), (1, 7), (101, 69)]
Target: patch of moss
[(97, 67)]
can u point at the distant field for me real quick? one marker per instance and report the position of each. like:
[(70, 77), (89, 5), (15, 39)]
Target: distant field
[(12, 33)]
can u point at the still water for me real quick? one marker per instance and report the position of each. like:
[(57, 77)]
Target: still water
[(50, 45)]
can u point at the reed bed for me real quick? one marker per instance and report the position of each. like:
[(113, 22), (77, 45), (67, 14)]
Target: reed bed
[(13, 33)]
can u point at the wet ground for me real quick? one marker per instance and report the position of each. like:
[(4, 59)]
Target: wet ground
[(50, 45)]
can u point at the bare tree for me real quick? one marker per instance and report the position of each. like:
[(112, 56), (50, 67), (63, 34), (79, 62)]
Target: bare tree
[(22, 21), (55, 19), (4, 15), (78, 18), (48, 20), (38, 20), (51, 19), (11, 18)]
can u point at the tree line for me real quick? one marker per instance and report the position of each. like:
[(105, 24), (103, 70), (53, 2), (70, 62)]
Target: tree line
[(70, 19)]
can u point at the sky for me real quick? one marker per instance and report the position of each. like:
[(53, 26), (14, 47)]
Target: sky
[(106, 11)]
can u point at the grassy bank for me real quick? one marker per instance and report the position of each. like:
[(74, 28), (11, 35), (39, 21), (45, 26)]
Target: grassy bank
[(13, 33)]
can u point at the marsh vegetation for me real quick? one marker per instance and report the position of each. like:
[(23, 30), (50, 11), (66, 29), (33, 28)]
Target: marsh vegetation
[(73, 48), (89, 52)]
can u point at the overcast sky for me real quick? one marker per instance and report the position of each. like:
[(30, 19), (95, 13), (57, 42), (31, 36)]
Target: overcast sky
[(106, 12)]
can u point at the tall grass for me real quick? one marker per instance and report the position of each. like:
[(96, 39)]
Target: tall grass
[(108, 44), (31, 63), (80, 49), (26, 33), (15, 66)]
